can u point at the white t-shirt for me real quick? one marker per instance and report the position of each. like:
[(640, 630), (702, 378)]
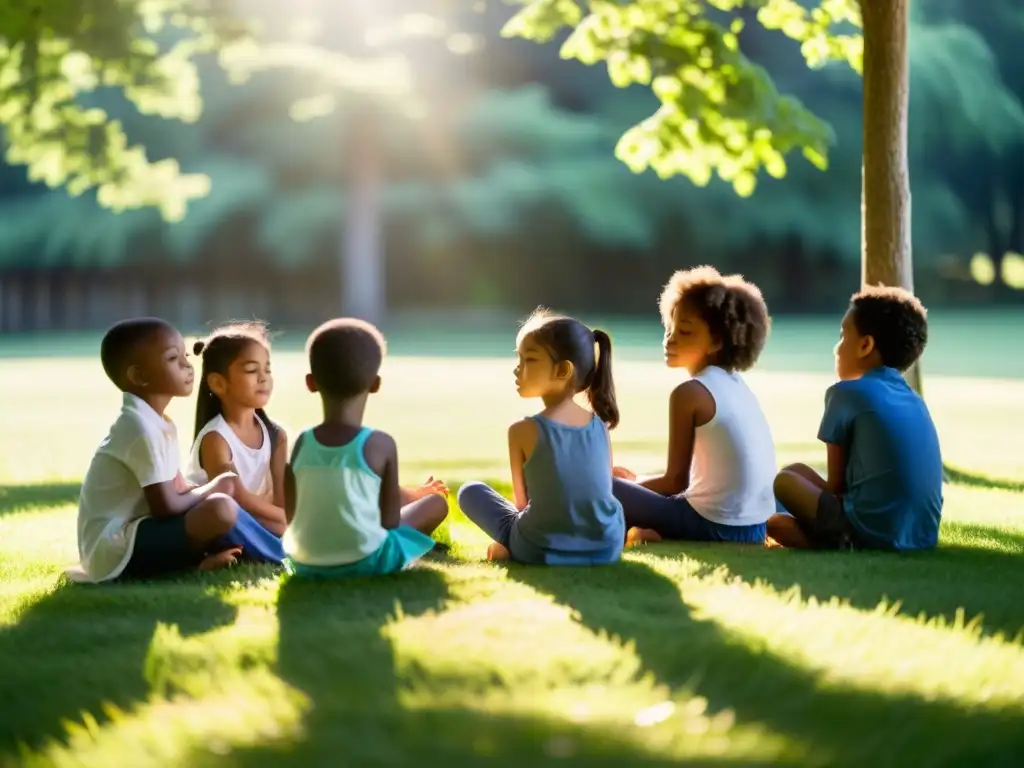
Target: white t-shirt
[(733, 466), (251, 464), (140, 450)]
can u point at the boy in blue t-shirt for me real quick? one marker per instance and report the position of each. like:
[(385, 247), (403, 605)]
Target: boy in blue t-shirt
[(884, 485)]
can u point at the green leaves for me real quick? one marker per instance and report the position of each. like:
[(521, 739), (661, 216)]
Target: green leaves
[(720, 113), (54, 55)]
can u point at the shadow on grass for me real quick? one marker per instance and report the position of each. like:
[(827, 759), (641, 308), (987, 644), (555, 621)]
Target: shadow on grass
[(333, 646), (958, 476), (22, 498), (838, 725), (950, 579), (83, 646)]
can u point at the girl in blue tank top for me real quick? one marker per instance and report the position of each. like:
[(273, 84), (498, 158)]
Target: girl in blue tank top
[(564, 511)]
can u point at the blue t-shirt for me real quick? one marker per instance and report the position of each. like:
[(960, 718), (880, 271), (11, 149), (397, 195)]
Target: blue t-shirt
[(893, 480)]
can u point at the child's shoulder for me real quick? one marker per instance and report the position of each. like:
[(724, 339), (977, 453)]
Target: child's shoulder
[(137, 420)]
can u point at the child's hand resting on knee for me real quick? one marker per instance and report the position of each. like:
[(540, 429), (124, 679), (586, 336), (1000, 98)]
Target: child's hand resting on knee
[(623, 474), (429, 488)]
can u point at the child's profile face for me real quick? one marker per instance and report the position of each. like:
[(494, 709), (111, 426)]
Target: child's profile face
[(851, 350), (162, 366), (249, 381), (688, 342), (536, 371)]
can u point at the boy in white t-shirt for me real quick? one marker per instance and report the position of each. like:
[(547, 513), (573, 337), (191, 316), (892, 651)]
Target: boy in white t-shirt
[(137, 516)]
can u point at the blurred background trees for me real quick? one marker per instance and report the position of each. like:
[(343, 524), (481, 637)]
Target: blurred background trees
[(475, 171)]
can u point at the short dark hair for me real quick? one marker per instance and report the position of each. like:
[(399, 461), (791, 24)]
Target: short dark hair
[(345, 356), (733, 308), (895, 319), (122, 341)]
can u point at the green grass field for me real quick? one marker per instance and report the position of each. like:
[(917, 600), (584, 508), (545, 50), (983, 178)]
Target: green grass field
[(708, 654)]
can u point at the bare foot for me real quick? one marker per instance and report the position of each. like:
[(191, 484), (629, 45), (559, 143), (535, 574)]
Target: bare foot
[(638, 536), (770, 543), (497, 552), (224, 559)]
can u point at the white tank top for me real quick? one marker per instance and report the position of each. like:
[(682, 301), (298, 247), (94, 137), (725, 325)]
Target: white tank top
[(252, 464), (733, 467)]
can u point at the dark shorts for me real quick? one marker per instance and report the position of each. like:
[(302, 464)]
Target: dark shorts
[(161, 549), (832, 529)]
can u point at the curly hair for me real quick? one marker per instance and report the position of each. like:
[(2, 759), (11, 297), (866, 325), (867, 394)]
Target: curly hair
[(895, 319), (733, 308)]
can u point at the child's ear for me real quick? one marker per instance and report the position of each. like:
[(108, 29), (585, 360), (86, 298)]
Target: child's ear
[(564, 370), (375, 387), (217, 383), (311, 383), (867, 346), (135, 377)]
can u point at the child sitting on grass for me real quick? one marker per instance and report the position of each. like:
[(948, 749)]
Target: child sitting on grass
[(347, 514), (233, 431), (564, 511), (721, 458), (137, 517), (884, 484)]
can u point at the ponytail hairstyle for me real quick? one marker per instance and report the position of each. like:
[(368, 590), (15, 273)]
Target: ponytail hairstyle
[(218, 351), (590, 352)]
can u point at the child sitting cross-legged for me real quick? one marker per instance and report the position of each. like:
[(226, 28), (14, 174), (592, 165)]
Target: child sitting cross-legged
[(347, 515), (884, 484), (138, 517)]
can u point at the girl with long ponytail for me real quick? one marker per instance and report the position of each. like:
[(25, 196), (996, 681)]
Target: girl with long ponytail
[(564, 512)]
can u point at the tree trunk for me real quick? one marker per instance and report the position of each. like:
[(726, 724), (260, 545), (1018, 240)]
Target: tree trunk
[(362, 257), (885, 187)]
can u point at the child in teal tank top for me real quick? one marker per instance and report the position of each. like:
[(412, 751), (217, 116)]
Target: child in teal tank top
[(564, 511), (347, 514)]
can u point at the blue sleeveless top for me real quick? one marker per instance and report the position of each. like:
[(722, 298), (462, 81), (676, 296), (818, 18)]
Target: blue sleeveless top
[(569, 481)]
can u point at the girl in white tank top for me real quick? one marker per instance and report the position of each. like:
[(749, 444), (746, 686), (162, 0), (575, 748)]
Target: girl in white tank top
[(233, 432), (721, 457)]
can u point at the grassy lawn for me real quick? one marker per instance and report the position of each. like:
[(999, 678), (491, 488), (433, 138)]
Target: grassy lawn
[(683, 653)]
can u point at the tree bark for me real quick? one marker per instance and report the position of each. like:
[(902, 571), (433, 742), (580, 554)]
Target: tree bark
[(885, 185), (362, 256)]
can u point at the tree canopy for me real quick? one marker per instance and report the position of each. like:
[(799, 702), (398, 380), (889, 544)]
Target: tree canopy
[(508, 143)]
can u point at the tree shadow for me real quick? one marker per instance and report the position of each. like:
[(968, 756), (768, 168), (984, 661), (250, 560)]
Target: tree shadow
[(45, 679), (944, 582), (333, 646), (838, 725), (23, 498)]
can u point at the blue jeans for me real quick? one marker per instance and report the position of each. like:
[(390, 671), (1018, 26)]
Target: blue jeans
[(498, 517), (674, 518)]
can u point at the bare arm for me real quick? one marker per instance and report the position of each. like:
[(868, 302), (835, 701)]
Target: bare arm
[(382, 456), (682, 406), (836, 468), (289, 494), (165, 500), (522, 437), (278, 461), (215, 454), (289, 483)]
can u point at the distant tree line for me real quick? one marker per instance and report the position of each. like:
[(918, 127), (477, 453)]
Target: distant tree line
[(490, 178)]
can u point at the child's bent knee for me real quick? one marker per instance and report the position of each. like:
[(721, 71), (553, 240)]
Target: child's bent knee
[(221, 512), (438, 506), (784, 482), (470, 490)]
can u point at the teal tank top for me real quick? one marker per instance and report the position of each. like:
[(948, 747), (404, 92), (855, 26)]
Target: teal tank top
[(337, 503), (569, 479)]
